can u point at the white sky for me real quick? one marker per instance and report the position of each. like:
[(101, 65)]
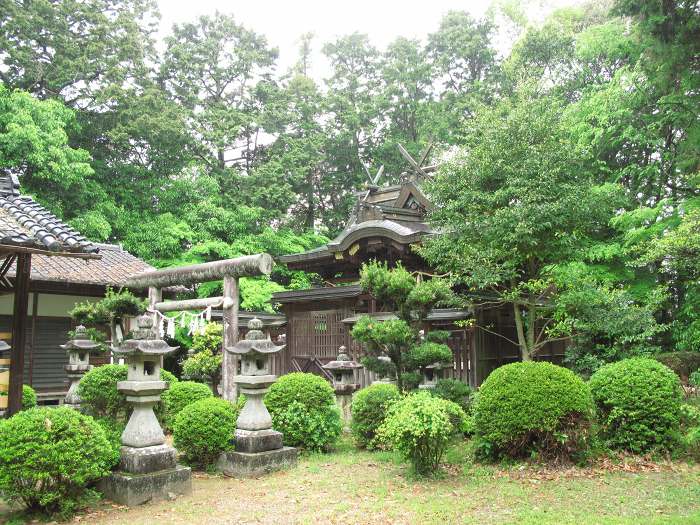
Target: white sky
[(283, 21)]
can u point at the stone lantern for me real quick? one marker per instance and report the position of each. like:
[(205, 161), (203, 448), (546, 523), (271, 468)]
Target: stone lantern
[(147, 469), (343, 371), (78, 350), (258, 448), (431, 375)]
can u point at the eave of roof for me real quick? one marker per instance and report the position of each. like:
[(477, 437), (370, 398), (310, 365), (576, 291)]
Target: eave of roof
[(438, 314), (26, 226), (400, 232), (113, 268), (317, 294)]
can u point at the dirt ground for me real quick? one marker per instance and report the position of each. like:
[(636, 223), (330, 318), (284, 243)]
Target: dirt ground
[(348, 487)]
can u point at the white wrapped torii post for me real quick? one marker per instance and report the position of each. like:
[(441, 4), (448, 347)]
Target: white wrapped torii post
[(229, 270)]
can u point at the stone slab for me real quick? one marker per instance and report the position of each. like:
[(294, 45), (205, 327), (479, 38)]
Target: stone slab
[(136, 489), (257, 440), (252, 465), (147, 459)]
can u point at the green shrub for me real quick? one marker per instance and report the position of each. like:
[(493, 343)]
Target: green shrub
[(691, 442), (315, 429), (533, 407), (689, 416), (159, 409), (98, 392), (113, 432), (303, 408), (309, 389), (204, 429), (638, 402), (49, 457), (178, 396), (455, 391), (100, 397), (420, 427), (203, 366), (682, 363), (694, 379), (369, 409), (28, 397)]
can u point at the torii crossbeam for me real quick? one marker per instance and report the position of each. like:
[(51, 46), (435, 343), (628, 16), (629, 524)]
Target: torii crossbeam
[(229, 270)]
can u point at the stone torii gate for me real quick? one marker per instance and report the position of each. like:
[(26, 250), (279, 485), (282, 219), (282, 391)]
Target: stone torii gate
[(229, 270)]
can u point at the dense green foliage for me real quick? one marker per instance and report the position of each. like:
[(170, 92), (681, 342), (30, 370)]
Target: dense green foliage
[(456, 391), (100, 398), (533, 407), (639, 404), (49, 457), (99, 394), (420, 427), (369, 409), (28, 397), (205, 364), (568, 187), (303, 408), (180, 395), (401, 340), (204, 429)]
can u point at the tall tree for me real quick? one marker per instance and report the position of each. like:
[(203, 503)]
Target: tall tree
[(70, 49), (214, 68), (514, 201)]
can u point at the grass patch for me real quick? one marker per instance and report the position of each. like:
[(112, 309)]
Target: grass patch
[(351, 486)]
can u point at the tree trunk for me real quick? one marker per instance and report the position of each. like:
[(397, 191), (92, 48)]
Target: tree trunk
[(522, 340)]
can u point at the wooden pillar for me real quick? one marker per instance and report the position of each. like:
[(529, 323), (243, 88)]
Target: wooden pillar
[(32, 343), (230, 318), (19, 332)]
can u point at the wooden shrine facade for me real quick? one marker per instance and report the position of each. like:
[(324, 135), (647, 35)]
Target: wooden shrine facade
[(385, 225)]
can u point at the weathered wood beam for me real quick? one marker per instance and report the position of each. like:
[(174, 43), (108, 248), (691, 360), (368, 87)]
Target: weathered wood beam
[(248, 265), (19, 332), (193, 304), (229, 366)]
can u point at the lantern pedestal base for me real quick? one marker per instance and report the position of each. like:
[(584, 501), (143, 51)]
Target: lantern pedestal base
[(252, 465), (135, 489), (147, 459), (252, 441)]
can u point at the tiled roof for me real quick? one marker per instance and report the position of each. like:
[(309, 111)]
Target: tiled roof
[(24, 223), (115, 267)]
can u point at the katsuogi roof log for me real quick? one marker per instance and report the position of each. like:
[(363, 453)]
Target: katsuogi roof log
[(248, 265)]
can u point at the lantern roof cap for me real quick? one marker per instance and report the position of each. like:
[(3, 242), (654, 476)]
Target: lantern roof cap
[(144, 340), (255, 341), (342, 362), (80, 341)]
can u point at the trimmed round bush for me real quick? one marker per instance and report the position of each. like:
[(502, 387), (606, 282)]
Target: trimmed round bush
[(638, 401), (204, 429), (49, 457), (98, 392), (420, 427), (303, 408), (178, 396), (533, 407), (28, 397), (312, 429), (369, 409), (455, 391)]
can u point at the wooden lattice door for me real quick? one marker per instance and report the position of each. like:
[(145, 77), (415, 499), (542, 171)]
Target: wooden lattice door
[(317, 337)]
